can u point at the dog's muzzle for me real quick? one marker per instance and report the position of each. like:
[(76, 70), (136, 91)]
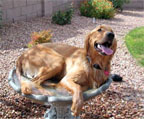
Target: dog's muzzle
[(104, 48)]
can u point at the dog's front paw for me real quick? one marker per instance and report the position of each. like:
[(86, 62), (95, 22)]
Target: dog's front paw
[(76, 106)]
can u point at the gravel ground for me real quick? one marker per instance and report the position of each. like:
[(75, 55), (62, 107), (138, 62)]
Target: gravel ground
[(121, 101)]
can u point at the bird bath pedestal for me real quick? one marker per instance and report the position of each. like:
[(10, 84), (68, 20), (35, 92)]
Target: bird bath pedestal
[(60, 102)]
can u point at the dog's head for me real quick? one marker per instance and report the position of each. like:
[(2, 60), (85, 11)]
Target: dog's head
[(100, 46), (101, 41)]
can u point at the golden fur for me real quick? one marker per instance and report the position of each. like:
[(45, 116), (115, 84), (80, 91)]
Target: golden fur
[(68, 64)]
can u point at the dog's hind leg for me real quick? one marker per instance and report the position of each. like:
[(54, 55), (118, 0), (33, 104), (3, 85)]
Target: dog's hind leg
[(45, 73)]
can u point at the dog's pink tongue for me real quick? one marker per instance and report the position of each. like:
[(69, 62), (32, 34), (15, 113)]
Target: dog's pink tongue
[(106, 50)]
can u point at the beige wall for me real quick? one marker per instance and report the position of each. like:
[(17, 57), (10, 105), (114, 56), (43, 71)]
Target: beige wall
[(135, 4), (51, 6), (14, 10)]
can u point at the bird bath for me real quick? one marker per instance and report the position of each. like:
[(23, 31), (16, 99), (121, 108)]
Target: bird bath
[(61, 100)]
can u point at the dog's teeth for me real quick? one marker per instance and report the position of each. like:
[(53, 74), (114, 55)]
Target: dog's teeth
[(99, 46)]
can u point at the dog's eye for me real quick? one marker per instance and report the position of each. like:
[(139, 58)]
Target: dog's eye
[(99, 30), (96, 66)]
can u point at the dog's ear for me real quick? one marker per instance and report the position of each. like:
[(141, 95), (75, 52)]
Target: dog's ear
[(86, 45)]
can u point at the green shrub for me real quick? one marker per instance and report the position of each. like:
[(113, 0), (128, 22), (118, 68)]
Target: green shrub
[(40, 37), (101, 9), (118, 4), (62, 18)]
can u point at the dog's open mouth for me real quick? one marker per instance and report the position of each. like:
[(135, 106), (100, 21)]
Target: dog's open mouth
[(104, 48)]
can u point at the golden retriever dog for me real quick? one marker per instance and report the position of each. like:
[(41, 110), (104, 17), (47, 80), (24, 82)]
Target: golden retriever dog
[(76, 69)]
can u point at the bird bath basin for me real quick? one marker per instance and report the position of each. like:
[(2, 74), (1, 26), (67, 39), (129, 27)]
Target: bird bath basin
[(61, 100)]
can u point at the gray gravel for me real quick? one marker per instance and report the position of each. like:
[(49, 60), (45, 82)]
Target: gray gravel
[(121, 101)]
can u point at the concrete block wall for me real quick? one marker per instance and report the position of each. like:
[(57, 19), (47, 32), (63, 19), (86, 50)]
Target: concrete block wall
[(14, 10), (0, 5), (52, 6), (0, 12), (135, 4), (61, 5)]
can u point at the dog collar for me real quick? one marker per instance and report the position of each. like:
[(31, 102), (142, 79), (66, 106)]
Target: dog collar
[(106, 73), (88, 58), (97, 66)]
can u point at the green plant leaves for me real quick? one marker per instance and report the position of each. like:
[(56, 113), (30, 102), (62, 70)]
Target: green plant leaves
[(40, 37), (101, 9), (62, 18)]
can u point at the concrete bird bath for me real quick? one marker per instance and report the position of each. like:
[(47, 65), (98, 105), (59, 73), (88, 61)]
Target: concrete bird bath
[(61, 100)]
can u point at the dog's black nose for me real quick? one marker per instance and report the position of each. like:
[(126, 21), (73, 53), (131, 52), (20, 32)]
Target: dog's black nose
[(110, 35)]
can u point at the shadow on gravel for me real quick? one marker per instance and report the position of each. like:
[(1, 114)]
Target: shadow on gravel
[(23, 110)]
